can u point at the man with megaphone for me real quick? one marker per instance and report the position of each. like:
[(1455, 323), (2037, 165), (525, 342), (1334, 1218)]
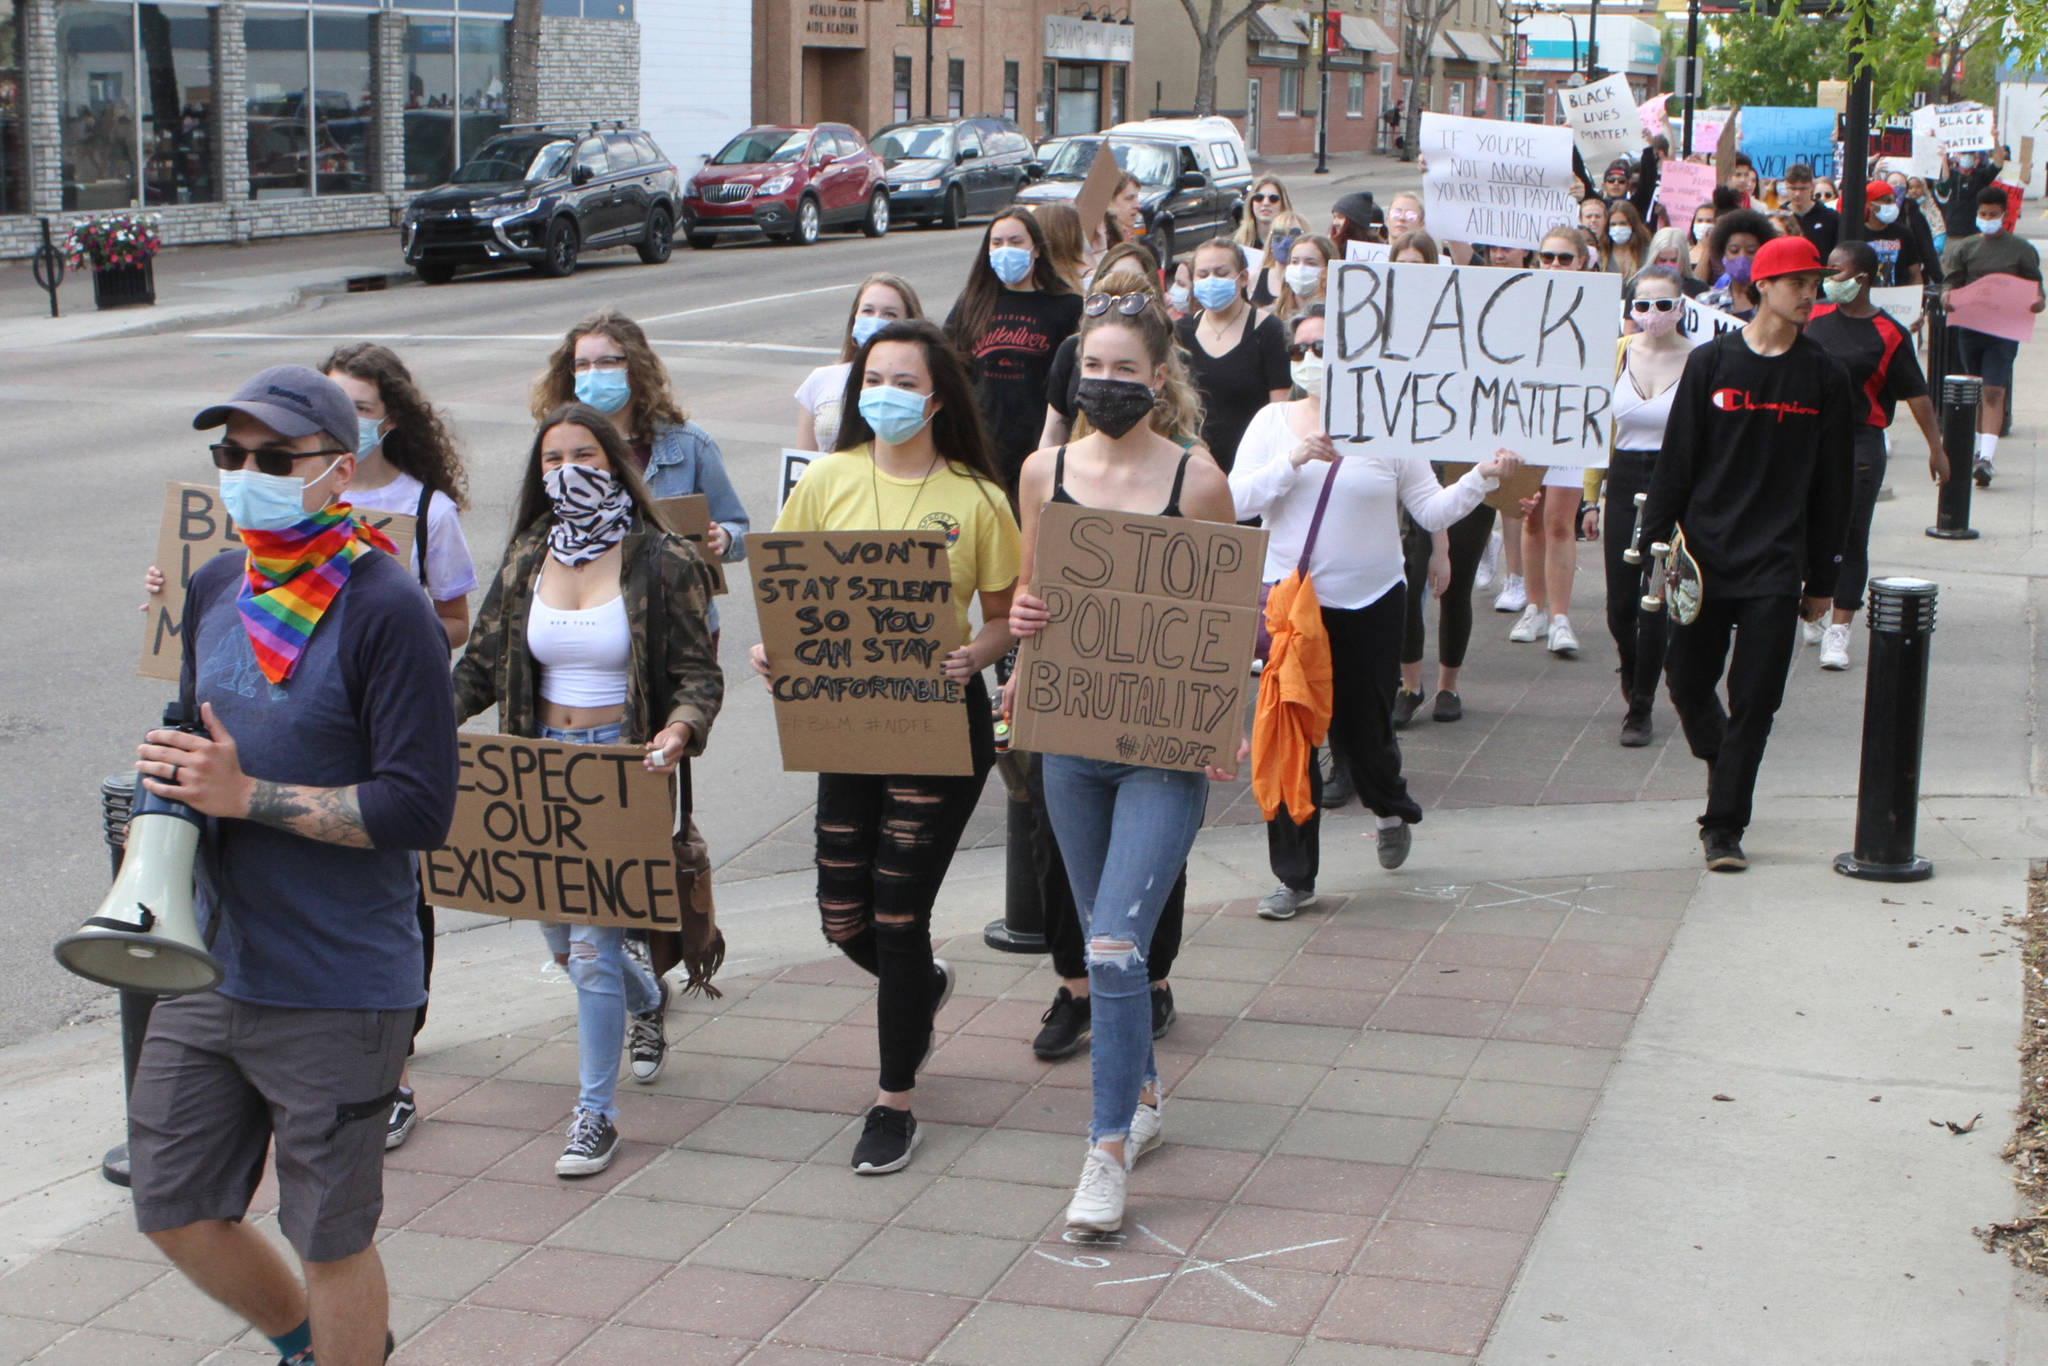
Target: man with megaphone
[(324, 760)]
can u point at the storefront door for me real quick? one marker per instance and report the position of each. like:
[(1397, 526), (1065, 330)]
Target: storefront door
[(1078, 104)]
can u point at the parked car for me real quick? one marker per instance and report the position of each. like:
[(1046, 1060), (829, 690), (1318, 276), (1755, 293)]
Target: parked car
[(942, 171), (1192, 176), (543, 196), (789, 183)]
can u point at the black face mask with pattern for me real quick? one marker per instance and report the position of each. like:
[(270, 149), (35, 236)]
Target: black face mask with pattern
[(1114, 406)]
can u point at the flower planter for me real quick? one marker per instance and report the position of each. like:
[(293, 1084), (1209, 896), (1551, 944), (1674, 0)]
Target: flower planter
[(124, 286)]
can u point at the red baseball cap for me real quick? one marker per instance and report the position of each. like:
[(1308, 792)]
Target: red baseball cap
[(1878, 189), (1786, 256)]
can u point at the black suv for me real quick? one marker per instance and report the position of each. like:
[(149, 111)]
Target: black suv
[(942, 171), (543, 195)]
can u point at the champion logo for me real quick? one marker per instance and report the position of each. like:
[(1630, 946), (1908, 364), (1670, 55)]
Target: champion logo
[(1740, 401)]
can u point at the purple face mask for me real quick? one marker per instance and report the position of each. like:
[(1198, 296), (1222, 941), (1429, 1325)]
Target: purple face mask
[(1282, 244), (1737, 268)]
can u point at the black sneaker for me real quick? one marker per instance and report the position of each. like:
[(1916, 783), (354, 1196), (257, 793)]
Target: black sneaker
[(1448, 707), (942, 992), (1405, 706), (647, 1039), (1394, 841), (1636, 730), (1163, 1013), (593, 1143), (1338, 789), (404, 1114), (1724, 852), (1066, 1027), (886, 1142), (1982, 472)]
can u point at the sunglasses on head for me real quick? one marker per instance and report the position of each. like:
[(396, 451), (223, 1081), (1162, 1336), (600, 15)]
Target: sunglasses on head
[(1129, 305), (272, 460), (1652, 305), (1303, 350), (1556, 258)]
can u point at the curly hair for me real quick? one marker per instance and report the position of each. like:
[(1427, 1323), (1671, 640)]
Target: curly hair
[(652, 403), (1178, 412), (418, 443)]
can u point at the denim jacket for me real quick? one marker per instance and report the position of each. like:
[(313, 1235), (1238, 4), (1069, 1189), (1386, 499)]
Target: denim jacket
[(686, 460)]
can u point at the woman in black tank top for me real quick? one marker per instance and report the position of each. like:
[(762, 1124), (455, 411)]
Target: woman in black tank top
[(1059, 483)]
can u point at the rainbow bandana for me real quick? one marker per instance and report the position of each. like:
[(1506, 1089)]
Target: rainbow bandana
[(293, 576)]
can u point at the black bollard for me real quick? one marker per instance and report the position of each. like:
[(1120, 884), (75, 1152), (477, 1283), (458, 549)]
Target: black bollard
[(116, 795), (1894, 724), (48, 267), (1960, 397), (1936, 358), (1022, 928)]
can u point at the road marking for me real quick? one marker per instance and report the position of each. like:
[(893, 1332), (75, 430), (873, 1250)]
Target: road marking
[(744, 303), (423, 337)]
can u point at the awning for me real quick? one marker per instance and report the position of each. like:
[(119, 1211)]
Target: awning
[(1363, 35), (1476, 47), (1440, 46), (1279, 24)]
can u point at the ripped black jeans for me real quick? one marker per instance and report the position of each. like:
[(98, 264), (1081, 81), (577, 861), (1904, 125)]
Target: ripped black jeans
[(884, 844)]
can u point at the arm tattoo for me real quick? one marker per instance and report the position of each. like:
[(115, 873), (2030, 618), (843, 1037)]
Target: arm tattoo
[(332, 815)]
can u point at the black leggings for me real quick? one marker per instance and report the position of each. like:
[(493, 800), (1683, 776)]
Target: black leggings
[(1855, 572), (884, 844), (1468, 537), (1639, 637), (1065, 939)]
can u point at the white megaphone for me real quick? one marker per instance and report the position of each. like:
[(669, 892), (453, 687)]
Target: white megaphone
[(146, 937)]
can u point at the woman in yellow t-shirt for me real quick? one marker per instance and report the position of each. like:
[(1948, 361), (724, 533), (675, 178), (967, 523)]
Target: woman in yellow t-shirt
[(912, 456)]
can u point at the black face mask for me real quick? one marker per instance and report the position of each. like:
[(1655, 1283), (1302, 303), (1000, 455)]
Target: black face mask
[(1114, 406)]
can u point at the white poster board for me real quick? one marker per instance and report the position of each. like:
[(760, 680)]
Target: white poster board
[(1703, 324), (1455, 362), (1604, 121), (1494, 183), (1965, 127)]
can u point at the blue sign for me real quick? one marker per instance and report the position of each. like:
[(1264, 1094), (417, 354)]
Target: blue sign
[(1774, 138)]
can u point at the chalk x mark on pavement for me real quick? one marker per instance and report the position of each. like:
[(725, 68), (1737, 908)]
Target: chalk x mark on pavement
[(1189, 1264), (1518, 896)]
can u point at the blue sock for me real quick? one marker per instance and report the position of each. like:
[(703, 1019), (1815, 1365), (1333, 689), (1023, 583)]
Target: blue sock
[(294, 1342)]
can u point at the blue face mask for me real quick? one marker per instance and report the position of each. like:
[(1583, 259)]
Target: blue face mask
[(1215, 291), (866, 325), (896, 415), (604, 390), (1011, 264), (265, 502), (369, 435)]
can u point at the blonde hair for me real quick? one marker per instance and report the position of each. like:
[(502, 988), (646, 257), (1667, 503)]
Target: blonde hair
[(1289, 303), (905, 295), (1248, 227), (1061, 223), (1178, 414), (1415, 239)]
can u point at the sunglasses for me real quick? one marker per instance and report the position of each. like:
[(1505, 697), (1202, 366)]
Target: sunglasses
[(1129, 305), (272, 460), (1556, 258), (1646, 306), (1828, 198), (1265, 199), (1303, 350)]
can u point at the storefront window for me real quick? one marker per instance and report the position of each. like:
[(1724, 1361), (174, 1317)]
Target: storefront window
[(956, 87), (1290, 91), (13, 146), (455, 93), (116, 60), (1048, 76), (309, 98), (1117, 75), (1010, 91), (1079, 107), (900, 106), (1354, 94)]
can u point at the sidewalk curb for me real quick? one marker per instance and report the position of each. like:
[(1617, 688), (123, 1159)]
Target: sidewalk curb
[(193, 317)]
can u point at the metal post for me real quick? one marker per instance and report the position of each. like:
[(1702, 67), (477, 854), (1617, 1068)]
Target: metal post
[(116, 795), (1022, 928), (1856, 149), (1960, 397), (1894, 726), (930, 13), (48, 267), (1593, 41), (1692, 73), (1323, 93)]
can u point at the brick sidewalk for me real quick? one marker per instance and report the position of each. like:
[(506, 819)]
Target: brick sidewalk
[(1327, 1193)]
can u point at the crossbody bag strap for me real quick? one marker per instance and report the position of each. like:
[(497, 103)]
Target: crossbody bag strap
[(1315, 524), (419, 531)]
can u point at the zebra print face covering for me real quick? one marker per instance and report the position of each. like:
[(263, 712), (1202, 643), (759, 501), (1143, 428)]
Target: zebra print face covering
[(593, 512)]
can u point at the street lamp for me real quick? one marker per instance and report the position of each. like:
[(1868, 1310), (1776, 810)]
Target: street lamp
[(1320, 28), (1516, 14)]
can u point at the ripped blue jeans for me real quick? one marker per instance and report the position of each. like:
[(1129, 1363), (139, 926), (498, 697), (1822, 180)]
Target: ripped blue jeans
[(1124, 832)]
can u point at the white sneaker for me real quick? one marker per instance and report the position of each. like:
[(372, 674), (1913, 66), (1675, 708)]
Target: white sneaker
[(1563, 643), (1834, 648), (1535, 623), (1144, 1135), (1514, 596), (1809, 631), (1489, 563), (1098, 1203)]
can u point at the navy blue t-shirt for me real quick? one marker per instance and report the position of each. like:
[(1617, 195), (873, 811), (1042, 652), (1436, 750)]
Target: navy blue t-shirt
[(301, 922)]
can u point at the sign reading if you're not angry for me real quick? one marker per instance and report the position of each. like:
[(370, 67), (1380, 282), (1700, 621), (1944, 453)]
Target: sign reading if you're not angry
[(1456, 362), (1495, 183)]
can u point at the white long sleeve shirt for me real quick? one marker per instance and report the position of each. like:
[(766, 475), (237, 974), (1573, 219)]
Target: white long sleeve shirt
[(1358, 552)]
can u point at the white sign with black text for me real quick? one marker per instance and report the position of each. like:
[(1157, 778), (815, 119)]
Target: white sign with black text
[(1494, 183)]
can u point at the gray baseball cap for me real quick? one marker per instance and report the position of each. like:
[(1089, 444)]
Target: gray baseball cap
[(292, 400)]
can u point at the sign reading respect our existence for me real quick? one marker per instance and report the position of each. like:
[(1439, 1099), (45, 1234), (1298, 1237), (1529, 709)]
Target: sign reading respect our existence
[(193, 531), (689, 516), (1147, 656), (1495, 183), (856, 625), (794, 463), (547, 831), (1604, 120), (1456, 362)]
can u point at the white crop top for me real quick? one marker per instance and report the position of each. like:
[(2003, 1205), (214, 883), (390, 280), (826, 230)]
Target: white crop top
[(583, 655), (1639, 422)]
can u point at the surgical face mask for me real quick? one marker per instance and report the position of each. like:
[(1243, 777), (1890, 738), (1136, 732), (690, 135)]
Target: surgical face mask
[(1620, 234), (1841, 291), (1304, 279), (1886, 213), (1114, 406), (604, 390), (369, 435), (1991, 227), (1177, 298), (1967, 160), (1307, 374), (866, 325), (1011, 264), (895, 415), (1215, 291), (266, 502), (1700, 231)]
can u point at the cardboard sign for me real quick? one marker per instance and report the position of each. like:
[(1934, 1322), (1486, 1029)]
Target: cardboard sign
[(1904, 302), (1724, 154), (1147, 659), (794, 463), (1997, 305), (1506, 499), (1682, 186), (195, 529), (856, 624), (547, 831), (690, 518), (1098, 190), (1965, 127), (1456, 362), (1494, 183), (1773, 138), (1603, 119)]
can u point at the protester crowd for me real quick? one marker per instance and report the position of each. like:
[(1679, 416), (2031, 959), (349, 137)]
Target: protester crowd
[(1072, 368)]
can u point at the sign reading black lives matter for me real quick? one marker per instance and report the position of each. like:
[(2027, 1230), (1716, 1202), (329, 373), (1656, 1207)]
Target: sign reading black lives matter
[(1148, 654), (1494, 183), (856, 625), (546, 831), (1457, 362)]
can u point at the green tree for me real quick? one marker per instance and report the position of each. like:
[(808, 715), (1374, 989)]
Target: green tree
[(1760, 58)]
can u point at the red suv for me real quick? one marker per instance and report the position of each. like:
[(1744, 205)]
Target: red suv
[(790, 183)]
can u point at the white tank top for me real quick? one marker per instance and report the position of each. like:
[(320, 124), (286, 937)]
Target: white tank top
[(1639, 422), (583, 654)]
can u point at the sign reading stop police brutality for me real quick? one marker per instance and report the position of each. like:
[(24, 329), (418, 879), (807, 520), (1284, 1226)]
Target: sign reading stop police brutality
[(1148, 652), (1495, 183), (856, 625), (1456, 362), (547, 831)]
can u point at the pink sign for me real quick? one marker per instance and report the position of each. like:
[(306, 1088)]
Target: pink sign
[(1651, 112), (1682, 186), (1997, 305), (1706, 136)]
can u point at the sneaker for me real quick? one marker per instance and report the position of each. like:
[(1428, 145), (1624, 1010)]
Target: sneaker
[(1810, 632), (1535, 623), (1066, 1027), (1489, 563), (593, 1143), (1338, 789), (1394, 841), (1982, 472), (1448, 706), (404, 1114), (1724, 852), (1098, 1203), (1636, 730), (647, 1038), (1514, 595), (1834, 648), (1163, 1013), (1283, 902), (942, 993), (1406, 704), (1144, 1135), (886, 1142), (1563, 643)]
